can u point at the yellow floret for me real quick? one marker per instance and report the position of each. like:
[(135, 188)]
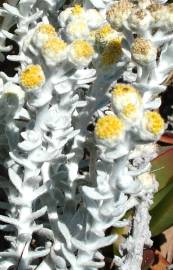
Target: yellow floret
[(103, 31), (155, 122), (32, 77), (47, 29), (108, 127), (129, 110), (77, 9), (55, 44), (123, 89), (82, 48), (112, 52)]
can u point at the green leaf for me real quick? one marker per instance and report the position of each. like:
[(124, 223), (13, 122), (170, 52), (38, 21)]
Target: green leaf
[(159, 196), (162, 166), (162, 214)]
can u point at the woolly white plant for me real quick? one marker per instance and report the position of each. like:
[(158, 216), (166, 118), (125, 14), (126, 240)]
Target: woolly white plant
[(75, 139)]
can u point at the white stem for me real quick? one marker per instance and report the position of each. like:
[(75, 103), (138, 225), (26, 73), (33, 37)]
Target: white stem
[(140, 236)]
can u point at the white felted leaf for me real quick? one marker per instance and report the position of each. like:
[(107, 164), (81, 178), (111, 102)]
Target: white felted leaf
[(23, 162), (65, 232), (97, 3), (83, 74), (93, 264), (12, 10), (28, 146), (15, 179), (88, 245), (166, 56), (38, 254), (9, 220), (69, 256), (39, 213), (94, 194)]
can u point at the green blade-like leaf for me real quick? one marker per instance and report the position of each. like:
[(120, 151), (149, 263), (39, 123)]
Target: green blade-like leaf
[(159, 196), (162, 166), (162, 214)]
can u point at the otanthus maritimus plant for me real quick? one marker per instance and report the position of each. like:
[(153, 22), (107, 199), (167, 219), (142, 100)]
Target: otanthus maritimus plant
[(77, 120)]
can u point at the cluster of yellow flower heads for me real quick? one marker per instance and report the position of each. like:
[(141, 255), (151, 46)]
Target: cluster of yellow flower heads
[(55, 50), (127, 104)]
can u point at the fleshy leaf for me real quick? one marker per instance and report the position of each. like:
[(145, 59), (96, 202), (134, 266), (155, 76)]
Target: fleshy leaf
[(159, 196), (162, 217), (163, 168)]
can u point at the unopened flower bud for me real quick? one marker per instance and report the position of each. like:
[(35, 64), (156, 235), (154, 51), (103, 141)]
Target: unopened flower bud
[(14, 90), (143, 51), (139, 20), (148, 180), (118, 13), (158, 13)]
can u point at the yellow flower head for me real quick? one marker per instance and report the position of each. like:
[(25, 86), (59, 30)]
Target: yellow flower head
[(32, 77), (112, 52), (77, 10), (109, 127), (81, 52), (126, 100), (54, 51), (55, 45), (103, 31), (154, 122), (105, 35), (43, 33), (143, 51), (124, 89), (47, 29), (83, 49)]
